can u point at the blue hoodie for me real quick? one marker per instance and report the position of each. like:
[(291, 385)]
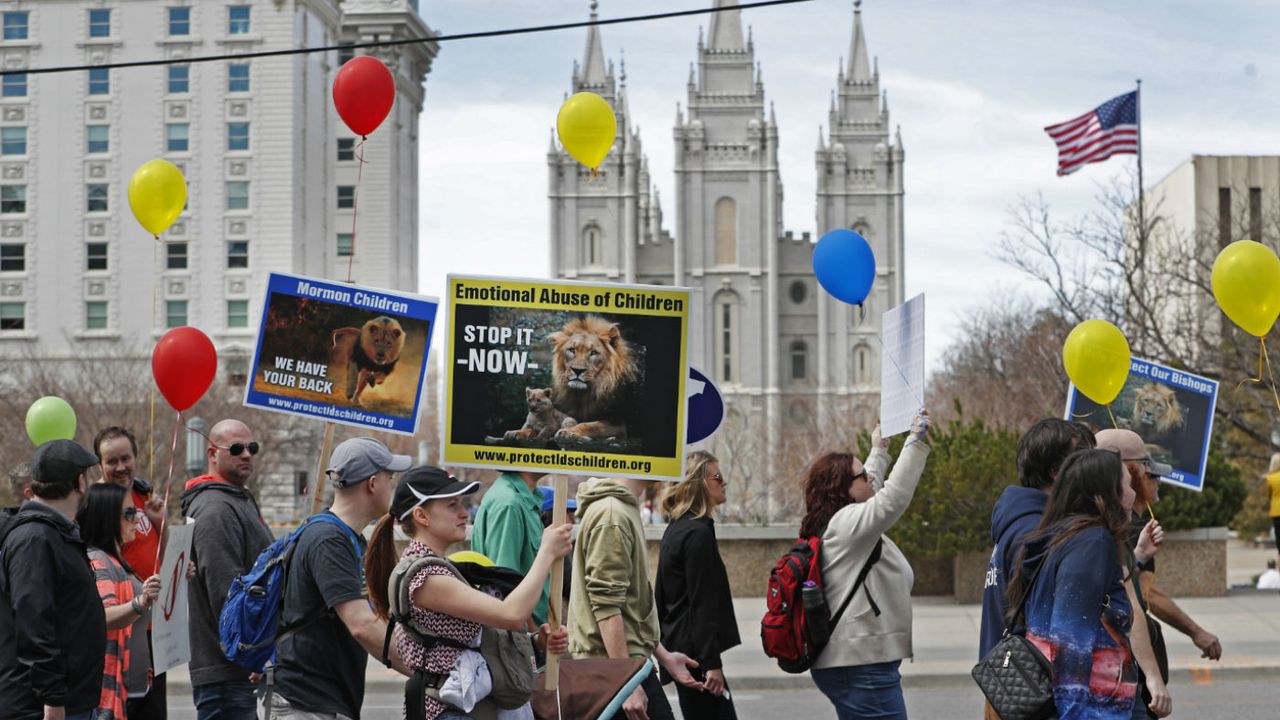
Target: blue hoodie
[(1016, 514), (1078, 615)]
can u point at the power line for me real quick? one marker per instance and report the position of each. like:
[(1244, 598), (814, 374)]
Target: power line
[(528, 30)]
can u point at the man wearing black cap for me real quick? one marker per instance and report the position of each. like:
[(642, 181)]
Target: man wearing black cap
[(52, 628), (320, 669)]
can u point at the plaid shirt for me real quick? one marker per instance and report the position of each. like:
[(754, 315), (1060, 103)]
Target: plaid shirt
[(116, 589)]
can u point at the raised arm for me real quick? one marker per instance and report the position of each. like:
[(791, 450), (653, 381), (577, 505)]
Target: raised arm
[(878, 461), (878, 514)]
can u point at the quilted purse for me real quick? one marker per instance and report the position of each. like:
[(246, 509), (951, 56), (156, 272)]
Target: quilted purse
[(1015, 676)]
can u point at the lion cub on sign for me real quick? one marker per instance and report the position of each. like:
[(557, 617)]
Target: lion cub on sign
[(543, 419)]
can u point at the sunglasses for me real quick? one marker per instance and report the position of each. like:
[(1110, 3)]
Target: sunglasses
[(862, 475), (130, 513), (720, 479), (236, 448)]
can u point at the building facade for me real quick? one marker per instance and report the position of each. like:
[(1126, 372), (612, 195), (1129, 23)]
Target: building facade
[(774, 342), (271, 169)]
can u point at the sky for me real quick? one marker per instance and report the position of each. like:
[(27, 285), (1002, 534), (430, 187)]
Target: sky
[(971, 84)]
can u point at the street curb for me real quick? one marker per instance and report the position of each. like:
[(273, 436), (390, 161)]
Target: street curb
[(1177, 677)]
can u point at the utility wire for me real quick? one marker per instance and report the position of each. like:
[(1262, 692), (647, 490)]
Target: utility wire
[(410, 41)]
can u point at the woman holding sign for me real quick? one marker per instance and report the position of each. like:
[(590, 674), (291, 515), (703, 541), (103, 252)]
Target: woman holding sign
[(106, 525), (850, 508)]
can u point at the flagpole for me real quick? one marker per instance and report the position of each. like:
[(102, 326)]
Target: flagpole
[(1142, 215)]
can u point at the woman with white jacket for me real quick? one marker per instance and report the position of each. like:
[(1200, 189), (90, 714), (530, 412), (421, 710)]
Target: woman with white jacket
[(848, 504)]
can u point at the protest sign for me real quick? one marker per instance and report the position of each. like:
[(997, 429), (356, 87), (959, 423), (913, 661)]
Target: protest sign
[(901, 366), (341, 352), (170, 646), (1171, 409), (563, 377)]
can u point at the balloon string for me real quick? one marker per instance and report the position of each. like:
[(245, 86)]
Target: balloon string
[(151, 437), (1270, 373), (168, 481), (355, 203), (1114, 424)]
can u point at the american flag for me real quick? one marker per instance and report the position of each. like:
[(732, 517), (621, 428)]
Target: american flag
[(1110, 129)]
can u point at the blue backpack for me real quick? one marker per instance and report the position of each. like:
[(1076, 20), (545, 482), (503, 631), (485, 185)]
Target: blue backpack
[(249, 627)]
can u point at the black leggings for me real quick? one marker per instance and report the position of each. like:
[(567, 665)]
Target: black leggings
[(1275, 525)]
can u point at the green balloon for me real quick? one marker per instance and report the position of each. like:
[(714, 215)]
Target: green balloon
[(50, 418)]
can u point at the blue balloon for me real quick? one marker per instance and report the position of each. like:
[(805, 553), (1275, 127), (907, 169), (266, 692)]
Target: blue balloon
[(845, 265), (705, 408)]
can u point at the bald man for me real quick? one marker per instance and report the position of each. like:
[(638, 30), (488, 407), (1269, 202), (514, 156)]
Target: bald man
[(229, 534)]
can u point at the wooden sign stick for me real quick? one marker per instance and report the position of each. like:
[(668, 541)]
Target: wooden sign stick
[(558, 513), (317, 490)]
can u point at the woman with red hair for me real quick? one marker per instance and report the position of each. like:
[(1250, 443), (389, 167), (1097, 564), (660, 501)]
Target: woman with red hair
[(850, 506)]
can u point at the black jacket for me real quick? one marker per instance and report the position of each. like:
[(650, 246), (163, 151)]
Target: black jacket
[(229, 535), (695, 607), (53, 633)]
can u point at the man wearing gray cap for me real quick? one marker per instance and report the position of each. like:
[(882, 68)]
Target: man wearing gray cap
[(52, 627), (320, 668)]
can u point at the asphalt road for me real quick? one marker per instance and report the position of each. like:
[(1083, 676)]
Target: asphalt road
[(1249, 698)]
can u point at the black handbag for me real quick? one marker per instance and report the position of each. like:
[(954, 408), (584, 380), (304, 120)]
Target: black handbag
[(1015, 676)]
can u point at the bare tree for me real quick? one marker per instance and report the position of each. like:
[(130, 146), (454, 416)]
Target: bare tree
[(1152, 279)]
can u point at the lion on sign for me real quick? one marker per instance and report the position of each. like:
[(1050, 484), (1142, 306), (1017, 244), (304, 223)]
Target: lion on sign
[(1158, 417), (592, 364)]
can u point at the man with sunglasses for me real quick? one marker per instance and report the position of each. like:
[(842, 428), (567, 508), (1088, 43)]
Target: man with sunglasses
[(229, 535)]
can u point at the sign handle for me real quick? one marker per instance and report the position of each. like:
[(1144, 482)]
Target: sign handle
[(317, 490), (558, 513)]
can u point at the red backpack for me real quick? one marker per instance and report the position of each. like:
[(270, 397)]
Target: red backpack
[(797, 622)]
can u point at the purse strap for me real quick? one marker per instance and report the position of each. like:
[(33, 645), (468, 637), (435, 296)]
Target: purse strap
[(1026, 593)]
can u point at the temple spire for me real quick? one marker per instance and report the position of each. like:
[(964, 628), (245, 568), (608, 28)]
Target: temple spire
[(726, 27), (859, 65), (593, 68)]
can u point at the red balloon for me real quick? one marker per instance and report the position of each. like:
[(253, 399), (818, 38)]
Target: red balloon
[(184, 364), (363, 92)]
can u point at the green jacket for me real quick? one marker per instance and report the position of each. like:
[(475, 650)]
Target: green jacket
[(610, 572), (508, 529)]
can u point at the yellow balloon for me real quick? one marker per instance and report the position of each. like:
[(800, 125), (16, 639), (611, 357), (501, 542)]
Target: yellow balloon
[(1096, 357), (471, 556), (1246, 284), (157, 194), (587, 128)]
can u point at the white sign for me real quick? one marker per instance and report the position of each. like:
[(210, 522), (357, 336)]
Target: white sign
[(901, 366), (170, 644)]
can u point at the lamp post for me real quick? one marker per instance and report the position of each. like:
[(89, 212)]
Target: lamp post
[(196, 444)]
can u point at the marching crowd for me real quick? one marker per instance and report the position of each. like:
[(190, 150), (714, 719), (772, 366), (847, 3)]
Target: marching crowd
[(1073, 571)]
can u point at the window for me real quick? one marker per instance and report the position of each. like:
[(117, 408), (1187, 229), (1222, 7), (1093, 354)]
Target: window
[(799, 360), (15, 26), (798, 291), (1224, 216), (14, 85), (238, 20), (98, 139), (238, 195), (591, 250), (175, 313), (13, 199), (95, 315), (13, 316), (344, 244), (177, 137), (725, 339), (237, 313), (179, 21), (95, 256), (238, 77), (238, 254), (175, 256), (1255, 214), (861, 365), (100, 23), (13, 258), (13, 141), (346, 197), (179, 78), (726, 231), (238, 136), (346, 149), (99, 81), (95, 198), (345, 53)]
